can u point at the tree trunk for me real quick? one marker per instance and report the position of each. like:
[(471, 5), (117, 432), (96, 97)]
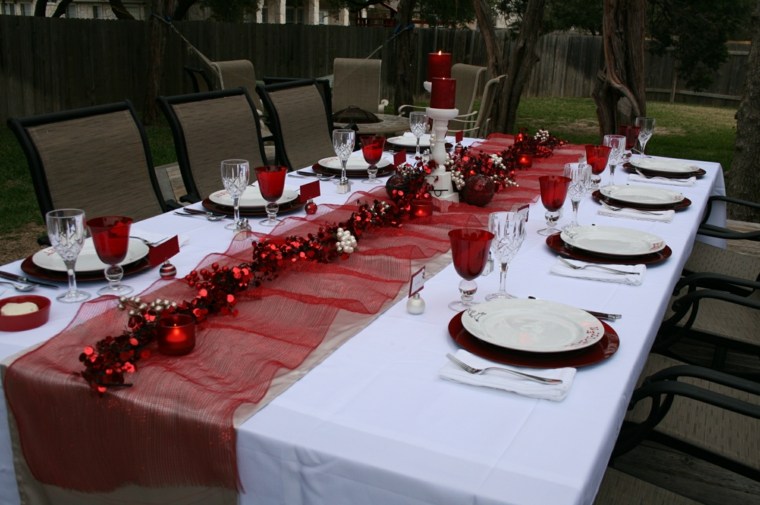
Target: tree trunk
[(118, 9), (522, 58), (620, 89), (156, 45), (484, 15), (39, 8), (60, 10), (742, 180), (183, 6), (403, 48)]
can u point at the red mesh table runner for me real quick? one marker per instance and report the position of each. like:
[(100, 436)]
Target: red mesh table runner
[(175, 425)]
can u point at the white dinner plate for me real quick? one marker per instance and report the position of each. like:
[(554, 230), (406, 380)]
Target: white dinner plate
[(612, 241), (532, 325), (643, 195), (664, 165), (409, 140), (355, 162), (251, 197), (88, 260)]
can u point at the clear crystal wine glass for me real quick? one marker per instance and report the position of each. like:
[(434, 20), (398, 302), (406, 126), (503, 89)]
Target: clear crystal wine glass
[(110, 235), (580, 184), (235, 176), (418, 125), (509, 233), (646, 130), (343, 144), (65, 229), (616, 143)]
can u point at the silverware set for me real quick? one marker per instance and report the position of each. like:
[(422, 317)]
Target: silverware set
[(480, 371)]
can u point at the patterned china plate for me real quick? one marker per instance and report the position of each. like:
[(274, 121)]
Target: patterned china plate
[(354, 163), (664, 165), (642, 195), (88, 260), (612, 241), (251, 197), (532, 325)]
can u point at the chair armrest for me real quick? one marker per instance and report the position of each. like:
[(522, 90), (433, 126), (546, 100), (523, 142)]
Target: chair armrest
[(710, 280), (711, 230), (408, 108), (190, 198)]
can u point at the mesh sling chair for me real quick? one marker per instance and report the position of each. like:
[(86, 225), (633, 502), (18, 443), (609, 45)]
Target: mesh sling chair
[(478, 125), (208, 128), (301, 121), (356, 81), (94, 158)]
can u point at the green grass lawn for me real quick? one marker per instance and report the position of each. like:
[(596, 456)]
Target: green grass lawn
[(682, 131)]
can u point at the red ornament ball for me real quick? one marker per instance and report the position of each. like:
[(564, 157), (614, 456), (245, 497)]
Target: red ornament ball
[(311, 208), (478, 190)]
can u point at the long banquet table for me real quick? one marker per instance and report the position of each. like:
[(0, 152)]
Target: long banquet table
[(374, 422)]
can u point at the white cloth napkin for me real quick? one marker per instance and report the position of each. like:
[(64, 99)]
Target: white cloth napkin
[(664, 216), (509, 382), (663, 180), (634, 278)]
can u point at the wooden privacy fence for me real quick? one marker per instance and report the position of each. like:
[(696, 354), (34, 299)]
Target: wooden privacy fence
[(55, 64)]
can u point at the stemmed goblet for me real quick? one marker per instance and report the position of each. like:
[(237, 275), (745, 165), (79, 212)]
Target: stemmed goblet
[(343, 144), (372, 149), (597, 157), (580, 184), (271, 180), (110, 235), (65, 228), (469, 250), (553, 194), (235, 175), (646, 129), (509, 233), (418, 124), (631, 134), (616, 143)]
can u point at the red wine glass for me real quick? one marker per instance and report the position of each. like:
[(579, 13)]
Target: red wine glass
[(469, 249), (553, 194), (271, 179), (110, 235), (597, 157), (372, 149)]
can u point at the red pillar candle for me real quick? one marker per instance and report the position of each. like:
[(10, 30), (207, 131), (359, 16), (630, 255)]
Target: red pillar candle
[(439, 65), (176, 334), (525, 161), (443, 93), (421, 208)]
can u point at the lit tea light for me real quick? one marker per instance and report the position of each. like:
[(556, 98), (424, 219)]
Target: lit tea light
[(176, 334), (421, 208), (525, 161)]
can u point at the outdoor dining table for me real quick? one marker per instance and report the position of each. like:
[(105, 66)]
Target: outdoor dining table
[(375, 423)]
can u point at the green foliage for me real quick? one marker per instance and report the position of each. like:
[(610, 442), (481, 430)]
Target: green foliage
[(447, 12), (581, 15), (697, 31), (230, 10)]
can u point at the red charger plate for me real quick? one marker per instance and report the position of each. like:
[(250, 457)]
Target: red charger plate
[(559, 246)]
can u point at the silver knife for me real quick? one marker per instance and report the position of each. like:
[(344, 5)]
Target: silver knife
[(21, 278)]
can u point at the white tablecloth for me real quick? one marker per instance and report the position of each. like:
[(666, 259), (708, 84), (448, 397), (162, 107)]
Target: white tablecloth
[(374, 423)]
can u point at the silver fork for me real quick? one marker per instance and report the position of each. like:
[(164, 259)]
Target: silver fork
[(593, 265), (480, 371)]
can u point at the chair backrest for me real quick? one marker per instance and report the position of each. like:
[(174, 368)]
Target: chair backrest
[(490, 90), (356, 81), (94, 158), (235, 74), (469, 78), (300, 117), (208, 128), (199, 80)]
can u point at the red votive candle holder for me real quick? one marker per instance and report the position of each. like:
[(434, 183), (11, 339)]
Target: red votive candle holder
[(443, 93), (439, 65), (525, 161), (176, 334), (421, 208)]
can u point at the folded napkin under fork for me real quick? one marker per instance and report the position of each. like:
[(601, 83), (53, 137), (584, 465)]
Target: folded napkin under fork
[(633, 275), (654, 179), (663, 216), (509, 382)]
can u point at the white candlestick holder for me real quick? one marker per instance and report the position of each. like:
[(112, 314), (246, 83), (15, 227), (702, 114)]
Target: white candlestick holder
[(440, 179)]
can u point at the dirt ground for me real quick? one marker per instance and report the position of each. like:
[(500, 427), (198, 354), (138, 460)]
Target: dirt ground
[(20, 244)]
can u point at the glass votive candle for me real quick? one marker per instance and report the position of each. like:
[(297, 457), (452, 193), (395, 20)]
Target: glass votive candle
[(525, 161), (421, 208), (176, 334)]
